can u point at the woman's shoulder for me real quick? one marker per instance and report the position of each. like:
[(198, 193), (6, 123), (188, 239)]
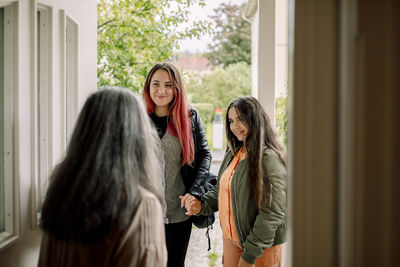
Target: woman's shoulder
[(193, 111), (269, 152), (271, 158), (194, 116)]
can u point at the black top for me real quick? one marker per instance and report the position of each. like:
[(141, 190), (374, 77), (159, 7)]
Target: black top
[(160, 123)]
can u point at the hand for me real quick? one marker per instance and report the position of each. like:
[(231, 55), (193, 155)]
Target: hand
[(192, 205), (243, 263)]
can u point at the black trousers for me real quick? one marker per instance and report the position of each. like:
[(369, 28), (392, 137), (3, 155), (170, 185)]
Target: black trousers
[(177, 237)]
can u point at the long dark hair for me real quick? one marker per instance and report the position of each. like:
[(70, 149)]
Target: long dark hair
[(95, 187), (178, 109), (261, 135)]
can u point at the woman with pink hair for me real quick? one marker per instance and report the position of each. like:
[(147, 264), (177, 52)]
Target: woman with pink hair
[(186, 152)]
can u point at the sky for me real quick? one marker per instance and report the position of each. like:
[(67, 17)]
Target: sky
[(202, 13)]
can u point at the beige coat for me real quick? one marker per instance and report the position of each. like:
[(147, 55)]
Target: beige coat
[(143, 244)]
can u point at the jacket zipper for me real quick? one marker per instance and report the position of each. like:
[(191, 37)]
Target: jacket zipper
[(235, 214)]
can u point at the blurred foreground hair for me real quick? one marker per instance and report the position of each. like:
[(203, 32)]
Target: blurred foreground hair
[(112, 151)]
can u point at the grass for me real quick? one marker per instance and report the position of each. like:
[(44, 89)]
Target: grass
[(213, 256)]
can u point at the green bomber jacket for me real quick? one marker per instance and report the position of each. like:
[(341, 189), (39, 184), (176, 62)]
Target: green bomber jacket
[(257, 229)]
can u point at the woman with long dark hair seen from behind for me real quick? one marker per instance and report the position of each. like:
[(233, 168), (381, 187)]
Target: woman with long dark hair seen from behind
[(185, 148), (104, 202), (251, 190)]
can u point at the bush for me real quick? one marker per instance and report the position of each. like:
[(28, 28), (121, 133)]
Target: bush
[(219, 86), (281, 118), (206, 111)]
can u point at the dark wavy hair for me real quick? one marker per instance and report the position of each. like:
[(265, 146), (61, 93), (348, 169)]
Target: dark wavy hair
[(179, 112), (111, 153), (261, 135)]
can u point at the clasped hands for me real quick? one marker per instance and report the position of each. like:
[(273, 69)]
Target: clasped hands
[(192, 204)]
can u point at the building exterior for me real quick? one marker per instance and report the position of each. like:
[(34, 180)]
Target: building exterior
[(47, 69), (343, 119), (193, 62)]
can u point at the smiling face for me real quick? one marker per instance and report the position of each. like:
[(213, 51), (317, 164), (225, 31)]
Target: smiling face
[(237, 124), (161, 91)]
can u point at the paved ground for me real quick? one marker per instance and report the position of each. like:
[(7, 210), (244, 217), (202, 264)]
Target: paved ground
[(217, 156), (198, 255)]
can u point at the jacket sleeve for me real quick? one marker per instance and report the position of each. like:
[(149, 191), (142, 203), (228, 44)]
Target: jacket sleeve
[(209, 200), (209, 203), (202, 156), (272, 214)]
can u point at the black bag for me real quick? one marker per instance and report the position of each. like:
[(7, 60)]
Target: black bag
[(206, 221)]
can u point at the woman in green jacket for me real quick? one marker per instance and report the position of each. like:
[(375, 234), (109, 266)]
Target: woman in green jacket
[(251, 190)]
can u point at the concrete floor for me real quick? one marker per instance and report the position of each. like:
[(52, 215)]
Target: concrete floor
[(198, 254)]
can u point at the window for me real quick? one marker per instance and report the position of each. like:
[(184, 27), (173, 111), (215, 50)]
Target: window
[(42, 106), (2, 180), (2, 200), (9, 215), (70, 47)]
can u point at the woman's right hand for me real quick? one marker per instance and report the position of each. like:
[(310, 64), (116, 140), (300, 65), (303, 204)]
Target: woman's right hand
[(192, 204)]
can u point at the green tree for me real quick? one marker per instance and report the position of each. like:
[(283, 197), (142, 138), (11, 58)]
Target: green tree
[(133, 35), (220, 86), (232, 38), (281, 117), (206, 111)]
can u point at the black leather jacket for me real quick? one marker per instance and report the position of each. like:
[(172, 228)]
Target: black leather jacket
[(194, 176)]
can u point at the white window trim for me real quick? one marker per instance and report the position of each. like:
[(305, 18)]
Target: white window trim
[(11, 178), (42, 164), (69, 64)]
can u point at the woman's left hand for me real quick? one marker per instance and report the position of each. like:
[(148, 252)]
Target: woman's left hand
[(243, 263)]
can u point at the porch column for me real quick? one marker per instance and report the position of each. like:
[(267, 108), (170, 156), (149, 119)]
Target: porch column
[(263, 53), (269, 44)]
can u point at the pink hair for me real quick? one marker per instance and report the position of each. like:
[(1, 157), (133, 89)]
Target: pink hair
[(179, 124)]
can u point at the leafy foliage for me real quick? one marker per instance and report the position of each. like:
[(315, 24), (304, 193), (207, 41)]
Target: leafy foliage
[(281, 117), (133, 35), (232, 40), (220, 86), (206, 111)]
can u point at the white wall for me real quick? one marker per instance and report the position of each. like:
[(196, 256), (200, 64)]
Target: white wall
[(24, 252)]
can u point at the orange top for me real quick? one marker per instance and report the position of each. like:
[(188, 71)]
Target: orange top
[(224, 199)]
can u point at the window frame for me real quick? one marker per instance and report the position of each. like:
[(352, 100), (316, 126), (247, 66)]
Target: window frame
[(41, 107), (69, 48), (11, 176)]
